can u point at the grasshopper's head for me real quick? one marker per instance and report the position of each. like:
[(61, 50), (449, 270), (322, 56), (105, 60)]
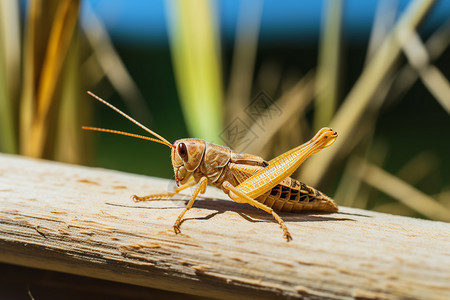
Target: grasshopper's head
[(187, 155)]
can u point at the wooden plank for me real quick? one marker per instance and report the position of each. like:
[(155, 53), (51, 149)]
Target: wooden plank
[(81, 220)]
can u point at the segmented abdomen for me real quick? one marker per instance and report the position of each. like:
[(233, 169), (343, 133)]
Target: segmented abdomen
[(293, 196)]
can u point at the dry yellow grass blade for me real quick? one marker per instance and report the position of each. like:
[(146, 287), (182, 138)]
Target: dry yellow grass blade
[(438, 85), (407, 76), (269, 77), (351, 191), (418, 167), (436, 45), (45, 83), (418, 57), (350, 184), (195, 50), (395, 208), (383, 22), (327, 84), (444, 196), (33, 44), (245, 48), (403, 192), (356, 103), (290, 134), (291, 104), (9, 73), (438, 42), (74, 110), (112, 66)]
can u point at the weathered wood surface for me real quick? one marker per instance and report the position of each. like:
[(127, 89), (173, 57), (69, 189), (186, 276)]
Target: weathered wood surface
[(81, 220)]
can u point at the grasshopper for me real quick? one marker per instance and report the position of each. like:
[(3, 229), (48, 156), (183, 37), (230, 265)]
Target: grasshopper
[(245, 178)]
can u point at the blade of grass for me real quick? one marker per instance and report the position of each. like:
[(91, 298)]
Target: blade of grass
[(418, 57), (92, 71), (419, 167), (350, 191), (438, 85), (290, 78), (405, 193), (292, 104), (194, 45), (9, 73), (286, 138), (328, 65), (349, 185), (383, 23), (112, 65), (444, 196), (32, 43), (395, 208), (356, 103), (245, 48), (269, 77), (376, 152), (435, 45), (73, 111), (61, 32)]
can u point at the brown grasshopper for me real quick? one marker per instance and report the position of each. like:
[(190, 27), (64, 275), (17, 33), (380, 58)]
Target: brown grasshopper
[(245, 178)]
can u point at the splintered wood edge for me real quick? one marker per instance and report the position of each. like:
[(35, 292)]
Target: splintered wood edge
[(82, 221)]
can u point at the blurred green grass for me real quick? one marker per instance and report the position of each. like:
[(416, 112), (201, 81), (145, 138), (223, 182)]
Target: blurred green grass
[(404, 127)]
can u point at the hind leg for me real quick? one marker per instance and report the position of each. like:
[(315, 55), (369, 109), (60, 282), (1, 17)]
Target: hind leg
[(239, 196)]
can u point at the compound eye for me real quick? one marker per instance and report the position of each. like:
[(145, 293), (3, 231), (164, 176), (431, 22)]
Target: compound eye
[(182, 150)]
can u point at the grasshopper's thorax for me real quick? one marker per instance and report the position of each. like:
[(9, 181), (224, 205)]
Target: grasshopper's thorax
[(214, 164), (218, 161)]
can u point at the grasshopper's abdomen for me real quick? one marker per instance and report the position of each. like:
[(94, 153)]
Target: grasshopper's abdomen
[(294, 196)]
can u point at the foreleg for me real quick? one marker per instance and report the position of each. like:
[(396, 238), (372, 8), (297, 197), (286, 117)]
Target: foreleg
[(201, 188)]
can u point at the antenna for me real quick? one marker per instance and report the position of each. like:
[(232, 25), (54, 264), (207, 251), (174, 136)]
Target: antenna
[(160, 139), (125, 133)]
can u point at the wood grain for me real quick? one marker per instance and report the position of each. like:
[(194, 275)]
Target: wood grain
[(81, 220)]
